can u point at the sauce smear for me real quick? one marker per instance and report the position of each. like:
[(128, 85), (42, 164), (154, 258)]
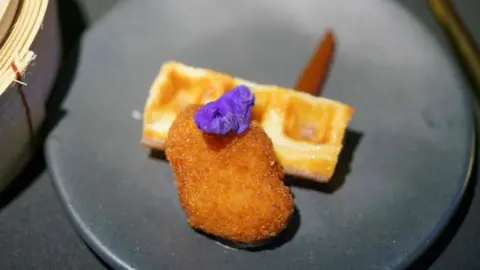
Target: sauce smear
[(317, 68)]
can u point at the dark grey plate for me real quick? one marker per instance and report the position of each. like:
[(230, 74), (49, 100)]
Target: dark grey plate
[(410, 142)]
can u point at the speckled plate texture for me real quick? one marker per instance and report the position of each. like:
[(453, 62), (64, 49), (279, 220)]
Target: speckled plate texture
[(400, 177)]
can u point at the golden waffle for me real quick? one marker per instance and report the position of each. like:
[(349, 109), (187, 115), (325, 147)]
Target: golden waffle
[(306, 131)]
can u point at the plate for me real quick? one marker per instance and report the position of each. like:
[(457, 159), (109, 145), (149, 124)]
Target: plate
[(401, 175)]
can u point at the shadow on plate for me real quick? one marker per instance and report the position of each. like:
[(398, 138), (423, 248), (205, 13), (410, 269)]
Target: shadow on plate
[(352, 140), (72, 24), (96, 10), (270, 244), (158, 154)]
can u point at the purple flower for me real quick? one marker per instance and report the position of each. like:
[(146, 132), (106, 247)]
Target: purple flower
[(231, 112)]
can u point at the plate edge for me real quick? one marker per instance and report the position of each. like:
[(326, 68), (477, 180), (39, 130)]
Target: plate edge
[(51, 143)]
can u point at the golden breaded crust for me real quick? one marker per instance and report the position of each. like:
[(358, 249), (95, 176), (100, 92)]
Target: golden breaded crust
[(307, 131), (229, 186)]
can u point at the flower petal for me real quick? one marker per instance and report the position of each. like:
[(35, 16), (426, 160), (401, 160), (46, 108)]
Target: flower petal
[(231, 112)]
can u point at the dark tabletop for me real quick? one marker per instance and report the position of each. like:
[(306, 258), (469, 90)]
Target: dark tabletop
[(36, 234)]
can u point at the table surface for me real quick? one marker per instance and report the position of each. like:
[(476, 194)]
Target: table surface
[(36, 233)]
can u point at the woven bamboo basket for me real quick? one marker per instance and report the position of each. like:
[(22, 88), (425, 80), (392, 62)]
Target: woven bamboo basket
[(29, 60)]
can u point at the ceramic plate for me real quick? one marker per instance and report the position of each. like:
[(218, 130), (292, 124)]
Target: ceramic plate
[(402, 172)]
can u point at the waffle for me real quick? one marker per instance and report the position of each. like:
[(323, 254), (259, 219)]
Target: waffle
[(307, 131)]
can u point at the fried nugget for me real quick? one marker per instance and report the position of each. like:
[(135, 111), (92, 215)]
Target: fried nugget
[(229, 186)]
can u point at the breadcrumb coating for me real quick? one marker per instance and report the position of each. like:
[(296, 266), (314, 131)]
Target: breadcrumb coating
[(229, 185)]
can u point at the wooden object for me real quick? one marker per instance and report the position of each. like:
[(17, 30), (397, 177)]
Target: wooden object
[(461, 39), (29, 60), (8, 10)]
